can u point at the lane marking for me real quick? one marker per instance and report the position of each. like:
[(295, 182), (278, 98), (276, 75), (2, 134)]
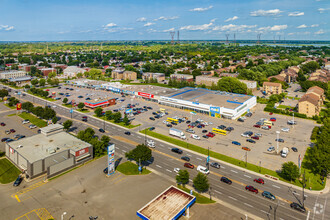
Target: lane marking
[(232, 198), (139, 137), (248, 204), (168, 170), (198, 158), (158, 166), (234, 171), (162, 145), (189, 155), (247, 176), (276, 186), (217, 191), (264, 212), (242, 196), (124, 151), (117, 148)]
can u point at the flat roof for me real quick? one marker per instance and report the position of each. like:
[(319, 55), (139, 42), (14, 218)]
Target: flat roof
[(210, 97), (167, 205), (38, 146)]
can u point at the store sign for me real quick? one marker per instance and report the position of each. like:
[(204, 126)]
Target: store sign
[(111, 159), (18, 106), (128, 111), (146, 95), (195, 103), (215, 110), (81, 152)]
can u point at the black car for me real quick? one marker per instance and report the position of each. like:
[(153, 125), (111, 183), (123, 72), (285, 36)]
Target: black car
[(294, 149), (229, 129), (20, 137), (240, 120), (204, 131), (152, 128), (149, 108), (18, 181), (151, 118), (154, 113), (298, 207), (215, 165), (105, 170), (127, 133), (4, 139), (251, 141), (185, 158), (226, 180), (222, 127), (169, 125), (176, 150), (101, 130), (204, 136), (279, 140), (248, 114)]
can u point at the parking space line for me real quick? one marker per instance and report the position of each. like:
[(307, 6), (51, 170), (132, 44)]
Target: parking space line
[(198, 158), (217, 191), (248, 204), (234, 171), (168, 170), (232, 198), (276, 186), (242, 196), (124, 151)]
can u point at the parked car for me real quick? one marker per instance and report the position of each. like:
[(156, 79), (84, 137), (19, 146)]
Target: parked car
[(251, 141), (223, 127), (3, 124), (204, 131), (249, 114), (236, 143), (18, 181), (189, 165), (259, 180), (7, 132), (240, 120), (270, 149), (229, 129), (252, 189), (196, 137), (255, 137), (127, 133), (270, 113), (4, 139), (226, 180), (152, 128), (20, 137), (268, 195), (151, 118), (9, 140), (189, 130), (176, 150), (32, 126), (215, 165), (258, 134), (265, 127), (294, 149), (25, 121), (280, 140), (203, 169), (298, 207), (272, 119), (169, 125), (285, 129), (185, 158), (246, 148), (256, 126), (205, 136)]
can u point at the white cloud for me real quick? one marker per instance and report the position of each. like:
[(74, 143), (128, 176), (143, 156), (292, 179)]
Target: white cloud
[(110, 25), (296, 14), (148, 24), (273, 28), (233, 27), (321, 31), (302, 26), (168, 30), (314, 25), (232, 19), (259, 13), (201, 9), (290, 33), (213, 20), (6, 28), (202, 27), (323, 10), (150, 30), (166, 18), (142, 19)]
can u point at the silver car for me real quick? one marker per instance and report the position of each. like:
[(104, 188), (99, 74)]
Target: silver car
[(285, 129)]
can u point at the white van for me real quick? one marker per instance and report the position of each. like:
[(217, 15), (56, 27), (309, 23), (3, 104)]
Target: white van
[(203, 169)]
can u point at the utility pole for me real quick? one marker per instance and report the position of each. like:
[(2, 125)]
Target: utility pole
[(104, 122), (304, 185), (210, 192), (208, 158), (245, 158)]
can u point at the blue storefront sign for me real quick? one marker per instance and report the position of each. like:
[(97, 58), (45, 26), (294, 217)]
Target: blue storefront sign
[(215, 109), (195, 103)]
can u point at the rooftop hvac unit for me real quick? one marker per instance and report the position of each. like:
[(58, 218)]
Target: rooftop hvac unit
[(51, 150)]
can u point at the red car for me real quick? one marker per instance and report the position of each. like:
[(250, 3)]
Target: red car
[(189, 165), (210, 134), (47, 90), (255, 137), (269, 126), (191, 126), (259, 180), (256, 126), (270, 113), (3, 124), (12, 130), (252, 189), (273, 119)]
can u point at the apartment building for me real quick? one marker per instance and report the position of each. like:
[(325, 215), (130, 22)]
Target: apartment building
[(13, 74), (310, 104), (129, 75), (206, 80), (250, 84), (160, 77), (182, 77), (118, 73), (272, 88)]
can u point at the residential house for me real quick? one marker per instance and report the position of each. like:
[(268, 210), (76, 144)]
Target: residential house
[(320, 75)]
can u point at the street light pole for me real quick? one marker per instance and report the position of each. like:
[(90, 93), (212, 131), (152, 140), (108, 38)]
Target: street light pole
[(278, 136)]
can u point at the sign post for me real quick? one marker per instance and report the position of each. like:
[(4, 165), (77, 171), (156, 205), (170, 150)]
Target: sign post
[(18, 107), (111, 159)]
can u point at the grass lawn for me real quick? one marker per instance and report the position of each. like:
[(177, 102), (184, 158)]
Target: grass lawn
[(12, 114), (284, 106), (84, 110), (33, 119), (290, 97), (314, 180), (8, 172), (129, 168), (130, 126), (199, 198), (12, 107), (67, 105)]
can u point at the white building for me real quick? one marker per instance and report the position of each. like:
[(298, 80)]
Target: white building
[(72, 71), (250, 84), (12, 74)]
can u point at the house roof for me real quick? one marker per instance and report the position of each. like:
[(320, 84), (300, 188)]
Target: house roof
[(312, 98), (272, 84), (316, 90)]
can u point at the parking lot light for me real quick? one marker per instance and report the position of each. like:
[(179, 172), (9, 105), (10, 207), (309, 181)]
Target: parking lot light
[(278, 136)]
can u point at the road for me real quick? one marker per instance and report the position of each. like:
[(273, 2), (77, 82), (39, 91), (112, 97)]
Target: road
[(165, 161)]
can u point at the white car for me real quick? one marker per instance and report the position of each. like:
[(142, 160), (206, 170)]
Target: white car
[(205, 123), (25, 121), (165, 122), (285, 129), (200, 120), (176, 170), (196, 137), (258, 134), (32, 126), (245, 135), (203, 169), (210, 123), (243, 117)]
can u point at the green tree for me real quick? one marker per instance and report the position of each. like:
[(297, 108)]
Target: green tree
[(51, 75), (117, 117), (67, 124), (230, 84), (140, 153), (34, 82), (48, 113), (105, 139), (3, 93), (108, 115), (42, 82), (290, 171), (98, 111), (54, 120), (182, 177), (126, 120), (86, 135), (27, 106), (38, 111), (81, 105), (65, 100), (201, 182)]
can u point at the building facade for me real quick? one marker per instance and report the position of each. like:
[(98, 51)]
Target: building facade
[(272, 88), (129, 75), (206, 80), (250, 84), (12, 74), (182, 77), (160, 77)]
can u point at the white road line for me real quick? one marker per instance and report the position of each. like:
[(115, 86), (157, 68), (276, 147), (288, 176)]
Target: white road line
[(117, 148), (234, 171), (162, 145), (247, 176), (170, 148), (198, 158), (168, 171), (264, 211), (232, 198), (158, 166), (283, 219), (138, 136), (189, 155), (276, 186), (242, 196), (248, 205), (217, 191), (296, 193), (124, 151)]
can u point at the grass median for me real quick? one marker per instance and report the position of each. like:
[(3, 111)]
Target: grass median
[(129, 168), (311, 179), (130, 126), (45, 98), (33, 119), (8, 172)]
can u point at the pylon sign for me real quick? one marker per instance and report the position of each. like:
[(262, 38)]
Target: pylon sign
[(18, 106), (111, 159)]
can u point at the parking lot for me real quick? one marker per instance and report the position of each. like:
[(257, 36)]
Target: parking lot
[(298, 136)]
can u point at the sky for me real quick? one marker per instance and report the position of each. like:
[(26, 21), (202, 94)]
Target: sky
[(65, 20)]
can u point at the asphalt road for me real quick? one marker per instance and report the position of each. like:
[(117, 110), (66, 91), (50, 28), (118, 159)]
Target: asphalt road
[(165, 161)]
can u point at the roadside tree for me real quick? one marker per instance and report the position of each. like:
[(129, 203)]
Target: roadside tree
[(117, 117), (140, 153), (81, 105), (201, 182), (67, 124), (126, 120), (109, 115), (98, 111), (42, 82), (182, 177), (27, 106), (54, 120), (290, 171), (65, 100), (3, 93)]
